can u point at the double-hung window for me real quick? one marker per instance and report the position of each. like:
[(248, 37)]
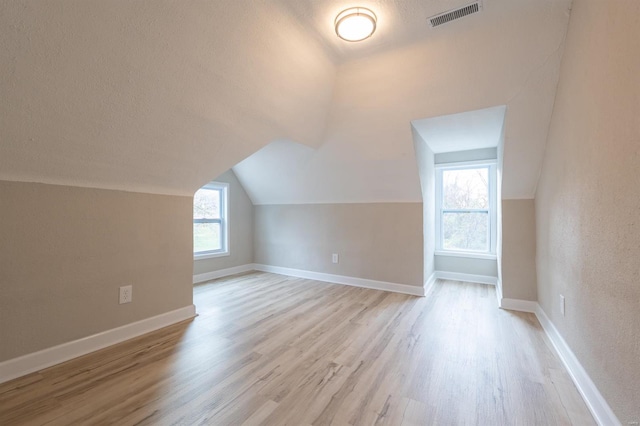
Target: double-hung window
[(210, 225), (466, 208)]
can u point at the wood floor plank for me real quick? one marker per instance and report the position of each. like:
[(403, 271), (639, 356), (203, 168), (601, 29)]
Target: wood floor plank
[(268, 349), (259, 416)]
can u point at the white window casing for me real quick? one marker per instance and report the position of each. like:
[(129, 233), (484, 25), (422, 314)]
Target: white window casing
[(491, 210), (223, 220)]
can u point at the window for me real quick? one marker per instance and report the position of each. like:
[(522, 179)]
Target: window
[(210, 227), (466, 208)]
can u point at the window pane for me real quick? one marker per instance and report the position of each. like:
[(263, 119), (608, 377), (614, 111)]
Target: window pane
[(465, 189), (465, 231), (206, 204), (206, 236)]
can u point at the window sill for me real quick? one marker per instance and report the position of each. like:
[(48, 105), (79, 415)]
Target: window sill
[(486, 256), (210, 255)]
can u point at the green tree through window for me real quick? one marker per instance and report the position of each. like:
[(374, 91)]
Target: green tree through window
[(465, 209), (209, 220)]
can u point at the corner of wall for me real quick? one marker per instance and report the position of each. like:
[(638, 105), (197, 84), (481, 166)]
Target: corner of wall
[(241, 245)]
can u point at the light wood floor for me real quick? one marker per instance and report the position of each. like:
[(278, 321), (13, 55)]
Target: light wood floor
[(273, 350)]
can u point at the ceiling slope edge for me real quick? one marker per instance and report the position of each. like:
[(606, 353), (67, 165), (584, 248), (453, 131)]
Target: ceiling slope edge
[(151, 97)]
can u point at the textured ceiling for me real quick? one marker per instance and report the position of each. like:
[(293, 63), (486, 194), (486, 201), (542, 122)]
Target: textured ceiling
[(508, 55), (162, 96), (152, 96), (399, 22)]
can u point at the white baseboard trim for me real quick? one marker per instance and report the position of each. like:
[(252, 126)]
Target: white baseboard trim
[(341, 279), (519, 305), (598, 406), (208, 276), (429, 283), (471, 278), (21, 366)]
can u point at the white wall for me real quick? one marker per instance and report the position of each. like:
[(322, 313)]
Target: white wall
[(426, 168), (510, 55), (499, 236), (471, 155), (153, 96), (587, 203)]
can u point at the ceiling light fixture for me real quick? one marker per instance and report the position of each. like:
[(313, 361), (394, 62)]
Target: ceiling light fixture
[(355, 24)]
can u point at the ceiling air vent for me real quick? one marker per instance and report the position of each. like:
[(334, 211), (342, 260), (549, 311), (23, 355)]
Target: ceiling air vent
[(452, 15)]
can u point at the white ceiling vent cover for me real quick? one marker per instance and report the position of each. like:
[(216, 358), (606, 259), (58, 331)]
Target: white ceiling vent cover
[(452, 15)]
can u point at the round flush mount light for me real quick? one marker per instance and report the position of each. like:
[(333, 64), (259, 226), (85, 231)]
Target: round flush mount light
[(355, 24)]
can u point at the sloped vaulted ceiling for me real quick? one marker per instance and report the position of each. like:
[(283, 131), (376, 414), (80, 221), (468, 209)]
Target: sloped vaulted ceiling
[(162, 96), (152, 96), (509, 54)]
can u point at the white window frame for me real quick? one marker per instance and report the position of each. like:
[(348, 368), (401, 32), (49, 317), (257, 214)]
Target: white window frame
[(223, 187), (493, 221)]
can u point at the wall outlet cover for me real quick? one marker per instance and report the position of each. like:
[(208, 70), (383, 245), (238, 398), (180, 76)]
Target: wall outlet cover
[(126, 294)]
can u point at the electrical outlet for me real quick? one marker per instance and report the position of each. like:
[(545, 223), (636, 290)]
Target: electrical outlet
[(126, 294), (562, 305), (334, 257)]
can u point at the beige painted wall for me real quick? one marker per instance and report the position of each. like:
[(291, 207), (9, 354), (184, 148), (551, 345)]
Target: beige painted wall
[(519, 250), (466, 265), (65, 251), (381, 241), (588, 203), (240, 229)]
